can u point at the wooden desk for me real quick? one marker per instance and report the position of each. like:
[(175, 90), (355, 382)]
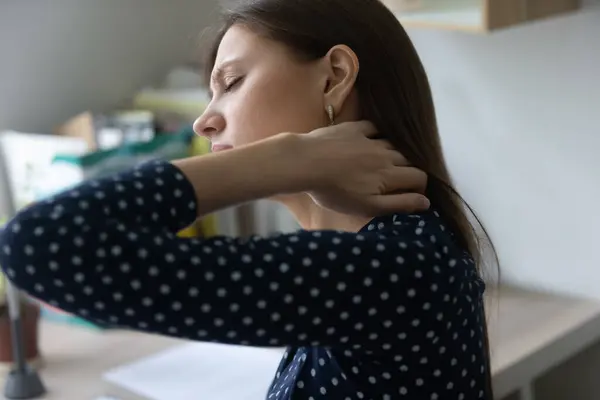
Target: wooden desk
[(530, 333)]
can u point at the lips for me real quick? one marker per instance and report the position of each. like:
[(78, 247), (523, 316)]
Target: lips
[(220, 147)]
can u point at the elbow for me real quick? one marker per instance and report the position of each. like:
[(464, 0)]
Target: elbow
[(22, 245)]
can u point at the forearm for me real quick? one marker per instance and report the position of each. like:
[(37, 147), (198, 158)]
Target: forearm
[(259, 170)]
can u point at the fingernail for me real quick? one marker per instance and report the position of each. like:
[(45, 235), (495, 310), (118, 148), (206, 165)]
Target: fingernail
[(425, 202)]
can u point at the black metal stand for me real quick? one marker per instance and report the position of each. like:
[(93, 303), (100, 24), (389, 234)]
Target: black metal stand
[(22, 382)]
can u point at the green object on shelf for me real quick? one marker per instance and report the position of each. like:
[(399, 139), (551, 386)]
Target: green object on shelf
[(107, 162)]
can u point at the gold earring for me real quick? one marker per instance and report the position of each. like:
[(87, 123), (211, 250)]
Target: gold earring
[(331, 114)]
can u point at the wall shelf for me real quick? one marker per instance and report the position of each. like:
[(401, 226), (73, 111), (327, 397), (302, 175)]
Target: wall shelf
[(478, 16)]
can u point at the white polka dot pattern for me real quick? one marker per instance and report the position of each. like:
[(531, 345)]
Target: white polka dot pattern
[(394, 311)]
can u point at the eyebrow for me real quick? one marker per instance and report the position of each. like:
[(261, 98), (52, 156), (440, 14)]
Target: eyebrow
[(219, 71)]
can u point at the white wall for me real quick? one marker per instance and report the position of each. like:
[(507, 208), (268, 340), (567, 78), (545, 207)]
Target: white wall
[(60, 57), (519, 112)]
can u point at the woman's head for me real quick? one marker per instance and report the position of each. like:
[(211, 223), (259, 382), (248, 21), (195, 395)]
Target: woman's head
[(261, 87), (289, 60)]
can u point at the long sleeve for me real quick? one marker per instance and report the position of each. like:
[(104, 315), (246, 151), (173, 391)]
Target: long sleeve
[(107, 250)]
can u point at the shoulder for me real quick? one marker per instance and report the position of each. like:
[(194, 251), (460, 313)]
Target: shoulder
[(428, 235), (417, 224), (427, 229)]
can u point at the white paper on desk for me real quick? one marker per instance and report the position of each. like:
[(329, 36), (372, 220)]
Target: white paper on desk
[(201, 371)]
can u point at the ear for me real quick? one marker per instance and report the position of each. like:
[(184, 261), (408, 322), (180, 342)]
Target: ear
[(342, 67)]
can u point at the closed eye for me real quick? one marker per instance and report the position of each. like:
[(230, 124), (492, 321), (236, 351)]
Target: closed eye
[(232, 85)]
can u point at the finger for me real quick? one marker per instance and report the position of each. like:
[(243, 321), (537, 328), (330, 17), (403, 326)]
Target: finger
[(366, 128), (394, 155), (394, 203), (383, 144), (405, 179), (398, 159)]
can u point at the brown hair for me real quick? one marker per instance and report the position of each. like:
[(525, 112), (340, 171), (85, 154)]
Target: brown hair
[(392, 85)]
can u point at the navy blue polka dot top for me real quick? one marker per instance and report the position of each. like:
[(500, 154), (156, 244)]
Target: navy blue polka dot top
[(394, 311)]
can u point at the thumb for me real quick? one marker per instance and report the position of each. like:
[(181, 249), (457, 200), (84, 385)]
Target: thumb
[(403, 202)]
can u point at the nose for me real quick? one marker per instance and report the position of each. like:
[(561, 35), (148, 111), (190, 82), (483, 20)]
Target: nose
[(209, 125)]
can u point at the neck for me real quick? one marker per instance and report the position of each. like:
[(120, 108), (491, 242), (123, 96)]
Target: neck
[(313, 217)]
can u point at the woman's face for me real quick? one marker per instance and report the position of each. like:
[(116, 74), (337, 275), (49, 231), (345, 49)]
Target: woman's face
[(259, 89)]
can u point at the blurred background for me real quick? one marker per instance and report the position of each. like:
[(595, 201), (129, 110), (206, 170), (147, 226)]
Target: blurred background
[(90, 88)]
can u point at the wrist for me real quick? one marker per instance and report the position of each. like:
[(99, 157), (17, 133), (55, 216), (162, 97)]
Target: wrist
[(286, 164), (264, 169)]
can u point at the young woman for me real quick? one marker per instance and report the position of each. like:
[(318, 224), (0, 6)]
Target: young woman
[(378, 297)]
